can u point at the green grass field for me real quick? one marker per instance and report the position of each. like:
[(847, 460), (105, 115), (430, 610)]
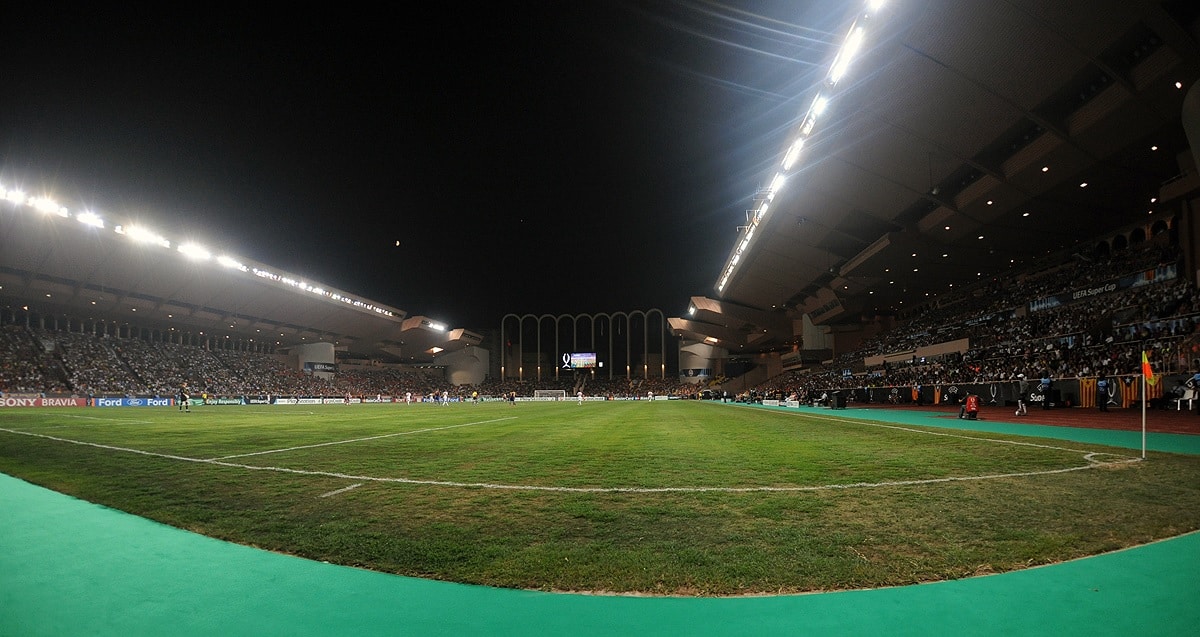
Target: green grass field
[(678, 497)]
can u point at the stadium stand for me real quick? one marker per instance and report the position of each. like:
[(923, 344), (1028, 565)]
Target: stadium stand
[(1074, 342)]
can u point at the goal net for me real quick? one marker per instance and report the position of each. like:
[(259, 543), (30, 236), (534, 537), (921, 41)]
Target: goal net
[(550, 394)]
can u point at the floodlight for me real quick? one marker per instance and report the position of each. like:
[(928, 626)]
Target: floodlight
[(762, 212), (48, 206), (793, 153), (819, 104), (195, 251), (810, 121), (849, 50), (845, 56), (144, 235), (776, 184), (15, 196), (230, 262), (90, 219)]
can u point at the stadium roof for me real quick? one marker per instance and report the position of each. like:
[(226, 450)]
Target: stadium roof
[(967, 139), (957, 120), (59, 262)]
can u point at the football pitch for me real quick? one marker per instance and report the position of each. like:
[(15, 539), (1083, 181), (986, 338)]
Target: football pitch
[(663, 497)]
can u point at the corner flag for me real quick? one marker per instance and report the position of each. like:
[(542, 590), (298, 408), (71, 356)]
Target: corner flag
[(1147, 371)]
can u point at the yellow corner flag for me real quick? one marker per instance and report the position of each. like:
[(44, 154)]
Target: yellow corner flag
[(1147, 371)]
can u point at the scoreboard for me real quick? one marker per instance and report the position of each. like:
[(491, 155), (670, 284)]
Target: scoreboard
[(583, 360)]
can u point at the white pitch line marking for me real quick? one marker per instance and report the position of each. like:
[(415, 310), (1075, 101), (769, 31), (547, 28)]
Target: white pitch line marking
[(343, 442), (99, 418), (940, 433), (342, 490), (1093, 463)]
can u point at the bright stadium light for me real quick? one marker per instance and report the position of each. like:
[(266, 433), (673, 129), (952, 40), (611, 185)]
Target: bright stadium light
[(825, 95), (776, 186), (143, 235), (230, 262), (819, 104), (849, 50), (194, 251), (793, 153), (48, 206), (90, 219), (762, 212), (14, 196), (810, 122)]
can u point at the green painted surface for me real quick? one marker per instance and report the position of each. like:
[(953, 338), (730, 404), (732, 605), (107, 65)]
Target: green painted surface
[(68, 567)]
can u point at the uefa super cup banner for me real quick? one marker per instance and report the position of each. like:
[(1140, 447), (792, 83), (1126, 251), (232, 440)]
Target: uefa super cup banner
[(1159, 274)]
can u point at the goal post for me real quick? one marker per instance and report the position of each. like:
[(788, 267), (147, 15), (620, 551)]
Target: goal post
[(549, 394)]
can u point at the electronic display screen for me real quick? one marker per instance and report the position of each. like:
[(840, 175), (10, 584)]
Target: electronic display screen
[(584, 360)]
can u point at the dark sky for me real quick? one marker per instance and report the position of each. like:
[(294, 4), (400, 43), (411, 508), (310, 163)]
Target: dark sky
[(547, 157)]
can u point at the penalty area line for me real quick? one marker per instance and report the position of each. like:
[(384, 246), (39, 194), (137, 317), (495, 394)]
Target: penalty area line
[(342, 490), (945, 434)]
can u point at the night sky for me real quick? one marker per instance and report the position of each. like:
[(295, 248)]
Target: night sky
[(551, 157)]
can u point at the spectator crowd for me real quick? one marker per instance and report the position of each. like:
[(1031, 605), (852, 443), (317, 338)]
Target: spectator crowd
[(1010, 326)]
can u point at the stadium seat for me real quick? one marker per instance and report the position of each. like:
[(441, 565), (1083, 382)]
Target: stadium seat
[(1188, 395)]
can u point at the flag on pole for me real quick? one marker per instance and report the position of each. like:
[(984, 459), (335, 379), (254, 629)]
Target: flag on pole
[(1147, 371)]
